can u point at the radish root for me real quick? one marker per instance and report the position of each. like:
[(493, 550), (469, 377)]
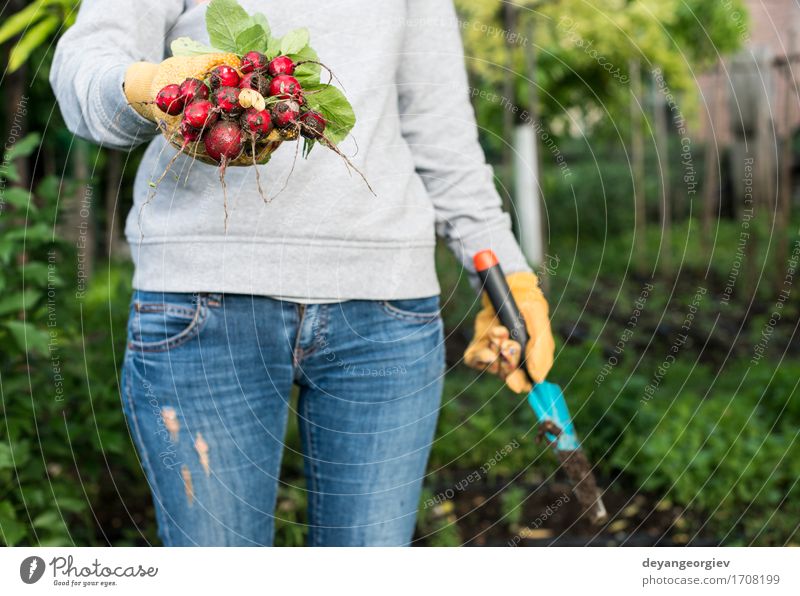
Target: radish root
[(294, 163), (330, 145), (258, 174), (222, 168)]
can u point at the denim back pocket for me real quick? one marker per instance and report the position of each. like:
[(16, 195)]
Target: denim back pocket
[(159, 322)]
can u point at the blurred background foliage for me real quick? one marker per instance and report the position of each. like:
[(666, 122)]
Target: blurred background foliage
[(713, 456)]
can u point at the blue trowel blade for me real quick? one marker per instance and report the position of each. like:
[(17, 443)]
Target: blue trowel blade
[(547, 401)]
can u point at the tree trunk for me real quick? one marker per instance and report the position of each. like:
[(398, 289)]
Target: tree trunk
[(78, 222), (746, 104), (665, 204), (638, 167), (510, 20), (16, 120), (711, 180), (531, 68), (114, 245), (784, 198), (765, 147), (16, 117)]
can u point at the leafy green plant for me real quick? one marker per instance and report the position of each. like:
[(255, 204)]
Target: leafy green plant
[(62, 423), (512, 503), (290, 517), (36, 24), (724, 456), (28, 282), (437, 525)]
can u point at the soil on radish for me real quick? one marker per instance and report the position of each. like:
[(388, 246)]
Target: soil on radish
[(224, 76), (282, 65), (253, 62)]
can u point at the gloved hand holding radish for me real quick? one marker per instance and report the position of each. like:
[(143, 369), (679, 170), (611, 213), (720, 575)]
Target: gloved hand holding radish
[(235, 103)]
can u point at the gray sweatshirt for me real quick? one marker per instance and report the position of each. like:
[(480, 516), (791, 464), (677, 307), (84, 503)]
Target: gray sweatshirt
[(324, 237)]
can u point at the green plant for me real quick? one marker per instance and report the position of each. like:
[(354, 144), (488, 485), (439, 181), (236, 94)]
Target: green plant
[(725, 456), (36, 24), (512, 503), (30, 366), (437, 525)]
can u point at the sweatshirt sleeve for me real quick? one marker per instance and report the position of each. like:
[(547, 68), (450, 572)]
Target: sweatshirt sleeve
[(91, 60), (438, 123)]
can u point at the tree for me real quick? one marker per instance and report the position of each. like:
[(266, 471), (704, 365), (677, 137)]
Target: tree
[(34, 26), (586, 51), (586, 45)]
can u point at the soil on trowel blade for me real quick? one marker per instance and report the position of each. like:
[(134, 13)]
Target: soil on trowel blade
[(579, 471)]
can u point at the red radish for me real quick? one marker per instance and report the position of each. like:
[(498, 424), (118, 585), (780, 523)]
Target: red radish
[(255, 81), (259, 124), (224, 76), (169, 100), (200, 114), (193, 89), (189, 133), (253, 62), (282, 65), (286, 113), (224, 141), (227, 100), (312, 125), (284, 87)]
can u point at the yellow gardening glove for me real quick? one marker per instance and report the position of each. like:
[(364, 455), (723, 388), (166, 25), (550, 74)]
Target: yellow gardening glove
[(143, 80), (493, 351)]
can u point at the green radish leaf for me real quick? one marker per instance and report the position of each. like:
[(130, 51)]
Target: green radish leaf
[(333, 105), (225, 20), (308, 74), (252, 39), (294, 41), (274, 47), (308, 145), (186, 46), (261, 19)]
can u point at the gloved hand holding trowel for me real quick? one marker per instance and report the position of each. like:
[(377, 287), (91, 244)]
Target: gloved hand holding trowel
[(513, 339), (492, 349)]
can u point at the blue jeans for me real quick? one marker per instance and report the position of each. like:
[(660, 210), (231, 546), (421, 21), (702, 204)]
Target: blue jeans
[(206, 386)]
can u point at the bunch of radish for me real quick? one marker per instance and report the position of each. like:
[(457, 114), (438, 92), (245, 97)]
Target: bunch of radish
[(234, 110), (247, 93)]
